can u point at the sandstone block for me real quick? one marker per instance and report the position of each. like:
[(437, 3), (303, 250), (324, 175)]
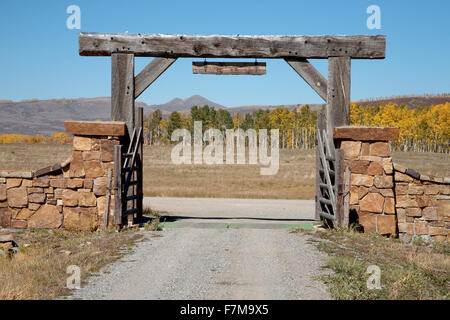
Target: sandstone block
[(88, 184), (401, 177), (379, 149), (386, 224), (357, 166), (91, 155), (43, 182), (375, 169), (100, 186), (70, 198), (17, 197), (387, 192), (86, 199), (107, 148), (24, 214), (431, 189), (407, 228), (35, 190), (426, 201), (365, 149), (46, 217), (368, 221), (5, 217), (354, 197), (389, 206), (34, 206), (75, 183), (362, 192), (82, 143), (49, 190), (94, 169), (372, 202), (430, 213), (36, 197), (58, 183), (387, 165), (361, 180), (382, 182), (415, 189), (444, 189), (352, 149), (27, 183), (13, 183), (444, 208), (401, 188), (76, 169), (413, 212), (2, 192), (401, 214), (80, 218), (401, 201), (420, 227)]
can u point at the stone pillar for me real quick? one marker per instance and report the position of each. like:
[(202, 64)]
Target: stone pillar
[(372, 197)]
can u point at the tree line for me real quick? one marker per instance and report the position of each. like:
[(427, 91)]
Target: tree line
[(425, 129)]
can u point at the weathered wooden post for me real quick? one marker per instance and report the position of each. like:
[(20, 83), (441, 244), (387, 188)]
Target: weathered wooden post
[(338, 114), (122, 89), (338, 94)]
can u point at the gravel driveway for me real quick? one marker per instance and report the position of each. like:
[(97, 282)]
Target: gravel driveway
[(204, 261)]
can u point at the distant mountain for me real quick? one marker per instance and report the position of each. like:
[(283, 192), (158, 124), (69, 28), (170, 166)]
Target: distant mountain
[(178, 104), (47, 116), (410, 101)]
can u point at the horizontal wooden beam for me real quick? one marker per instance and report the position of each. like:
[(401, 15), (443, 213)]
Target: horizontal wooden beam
[(95, 128), (150, 73), (310, 75), (366, 133), (229, 68), (226, 46)]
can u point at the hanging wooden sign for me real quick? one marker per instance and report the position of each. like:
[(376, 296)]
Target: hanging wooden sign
[(229, 68)]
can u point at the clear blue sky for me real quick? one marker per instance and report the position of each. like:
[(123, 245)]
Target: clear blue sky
[(39, 55)]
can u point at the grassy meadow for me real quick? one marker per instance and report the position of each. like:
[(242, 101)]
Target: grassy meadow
[(294, 180)]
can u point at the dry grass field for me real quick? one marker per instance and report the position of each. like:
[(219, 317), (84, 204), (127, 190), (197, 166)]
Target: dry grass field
[(294, 180)]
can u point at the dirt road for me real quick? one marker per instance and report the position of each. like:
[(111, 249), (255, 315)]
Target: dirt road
[(212, 254)]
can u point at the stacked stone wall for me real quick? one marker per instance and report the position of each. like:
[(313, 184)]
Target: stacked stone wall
[(422, 204), (69, 194)]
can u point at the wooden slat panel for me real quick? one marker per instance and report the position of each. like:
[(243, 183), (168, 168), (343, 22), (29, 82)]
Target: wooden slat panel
[(107, 201), (229, 68), (95, 128), (310, 75), (150, 73), (122, 89), (118, 185), (225, 46)]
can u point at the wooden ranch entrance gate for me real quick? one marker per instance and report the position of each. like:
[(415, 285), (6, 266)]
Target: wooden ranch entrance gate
[(295, 50)]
